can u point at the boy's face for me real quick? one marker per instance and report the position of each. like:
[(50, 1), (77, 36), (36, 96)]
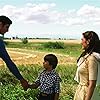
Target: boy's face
[(46, 65), (4, 28)]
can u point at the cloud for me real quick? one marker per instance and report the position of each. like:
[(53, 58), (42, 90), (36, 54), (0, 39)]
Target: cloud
[(7, 10), (89, 13), (44, 13)]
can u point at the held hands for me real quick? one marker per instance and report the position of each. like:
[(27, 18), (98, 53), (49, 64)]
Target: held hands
[(34, 85), (24, 84)]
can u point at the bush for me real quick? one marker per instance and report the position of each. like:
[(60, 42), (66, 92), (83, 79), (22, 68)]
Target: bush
[(25, 40), (54, 45)]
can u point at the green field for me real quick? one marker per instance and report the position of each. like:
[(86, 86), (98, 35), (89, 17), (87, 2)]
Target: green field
[(10, 88)]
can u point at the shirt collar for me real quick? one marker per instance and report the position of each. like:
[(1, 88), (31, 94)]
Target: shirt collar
[(50, 72)]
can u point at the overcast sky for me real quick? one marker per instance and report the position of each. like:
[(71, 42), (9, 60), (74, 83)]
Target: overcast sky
[(51, 18)]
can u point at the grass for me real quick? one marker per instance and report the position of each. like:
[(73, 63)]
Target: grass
[(10, 88), (69, 48)]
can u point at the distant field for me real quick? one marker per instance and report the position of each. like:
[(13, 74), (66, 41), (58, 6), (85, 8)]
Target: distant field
[(45, 40), (24, 57), (33, 52)]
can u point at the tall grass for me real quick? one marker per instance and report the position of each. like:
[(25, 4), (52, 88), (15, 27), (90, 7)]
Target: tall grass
[(10, 88)]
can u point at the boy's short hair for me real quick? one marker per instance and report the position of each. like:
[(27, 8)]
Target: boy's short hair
[(5, 20), (52, 59)]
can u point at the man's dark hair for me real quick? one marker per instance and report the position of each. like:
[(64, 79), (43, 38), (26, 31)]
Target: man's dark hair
[(52, 59), (5, 20)]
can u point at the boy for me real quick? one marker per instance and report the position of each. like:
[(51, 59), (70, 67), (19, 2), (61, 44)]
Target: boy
[(48, 81)]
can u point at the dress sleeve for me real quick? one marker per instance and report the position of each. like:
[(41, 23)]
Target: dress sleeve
[(93, 68)]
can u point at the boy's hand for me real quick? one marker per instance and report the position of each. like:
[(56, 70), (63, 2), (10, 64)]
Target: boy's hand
[(33, 86), (30, 86)]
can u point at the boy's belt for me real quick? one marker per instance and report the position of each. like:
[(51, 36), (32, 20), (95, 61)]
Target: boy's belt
[(44, 94)]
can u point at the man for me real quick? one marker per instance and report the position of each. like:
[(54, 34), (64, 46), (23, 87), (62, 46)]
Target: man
[(5, 23)]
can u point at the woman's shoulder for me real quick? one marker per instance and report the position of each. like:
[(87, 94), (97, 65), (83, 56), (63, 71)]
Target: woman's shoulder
[(93, 57)]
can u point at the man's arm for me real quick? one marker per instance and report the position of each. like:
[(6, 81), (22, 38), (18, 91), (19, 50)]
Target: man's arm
[(10, 64)]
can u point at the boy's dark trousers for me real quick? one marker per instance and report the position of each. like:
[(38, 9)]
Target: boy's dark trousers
[(43, 96)]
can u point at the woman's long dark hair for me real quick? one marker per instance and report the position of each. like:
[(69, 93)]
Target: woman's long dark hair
[(94, 43)]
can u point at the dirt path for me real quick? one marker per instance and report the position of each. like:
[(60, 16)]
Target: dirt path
[(24, 57)]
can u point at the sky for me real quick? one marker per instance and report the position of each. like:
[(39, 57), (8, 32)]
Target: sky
[(66, 19)]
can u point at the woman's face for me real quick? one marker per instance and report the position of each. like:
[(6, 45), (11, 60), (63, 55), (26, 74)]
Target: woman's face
[(84, 43)]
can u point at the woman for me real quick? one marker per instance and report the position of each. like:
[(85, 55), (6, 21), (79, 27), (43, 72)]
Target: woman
[(88, 71)]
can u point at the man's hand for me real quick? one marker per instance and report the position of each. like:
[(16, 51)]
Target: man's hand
[(24, 84)]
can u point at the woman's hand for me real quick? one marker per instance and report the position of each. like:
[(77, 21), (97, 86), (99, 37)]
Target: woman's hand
[(91, 87)]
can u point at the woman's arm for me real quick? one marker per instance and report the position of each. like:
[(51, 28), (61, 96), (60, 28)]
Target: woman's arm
[(93, 71), (91, 87)]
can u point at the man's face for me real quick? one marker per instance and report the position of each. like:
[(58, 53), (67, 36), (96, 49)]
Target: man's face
[(4, 28)]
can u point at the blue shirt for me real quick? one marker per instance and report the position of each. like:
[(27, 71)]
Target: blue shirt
[(6, 58), (49, 82)]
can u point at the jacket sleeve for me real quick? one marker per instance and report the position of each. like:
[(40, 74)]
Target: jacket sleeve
[(93, 68), (10, 64)]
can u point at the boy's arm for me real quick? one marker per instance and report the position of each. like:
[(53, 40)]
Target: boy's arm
[(56, 97), (57, 87), (34, 85)]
